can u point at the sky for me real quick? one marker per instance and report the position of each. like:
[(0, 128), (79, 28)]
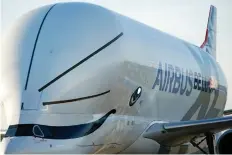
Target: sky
[(184, 19)]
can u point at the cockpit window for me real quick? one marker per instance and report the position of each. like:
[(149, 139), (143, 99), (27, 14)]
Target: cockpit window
[(37, 131), (11, 131), (28, 130)]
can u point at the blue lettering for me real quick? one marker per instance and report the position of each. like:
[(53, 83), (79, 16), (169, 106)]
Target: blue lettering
[(195, 80), (171, 69), (158, 80), (182, 90), (203, 84), (175, 80), (166, 87), (176, 85), (199, 81), (188, 92), (165, 76)]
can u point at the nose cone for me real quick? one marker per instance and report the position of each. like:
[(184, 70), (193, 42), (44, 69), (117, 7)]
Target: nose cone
[(12, 146), (17, 45), (4, 146)]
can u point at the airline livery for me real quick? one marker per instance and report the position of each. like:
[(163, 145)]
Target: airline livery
[(79, 78)]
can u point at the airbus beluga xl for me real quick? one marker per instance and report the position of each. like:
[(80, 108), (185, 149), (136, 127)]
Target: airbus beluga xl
[(79, 78)]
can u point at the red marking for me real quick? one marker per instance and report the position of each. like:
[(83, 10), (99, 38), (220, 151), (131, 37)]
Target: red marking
[(206, 39), (213, 82), (206, 34)]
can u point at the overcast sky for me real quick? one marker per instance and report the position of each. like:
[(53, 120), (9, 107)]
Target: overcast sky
[(184, 19)]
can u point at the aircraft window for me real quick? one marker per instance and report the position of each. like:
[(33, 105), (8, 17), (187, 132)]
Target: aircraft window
[(11, 131), (37, 131)]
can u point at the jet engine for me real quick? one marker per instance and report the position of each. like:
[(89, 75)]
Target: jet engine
[(224, 142)]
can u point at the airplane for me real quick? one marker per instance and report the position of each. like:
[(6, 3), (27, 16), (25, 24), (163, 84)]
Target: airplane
[(80, 78)]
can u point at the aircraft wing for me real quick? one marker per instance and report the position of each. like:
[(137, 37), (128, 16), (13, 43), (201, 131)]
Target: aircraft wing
[(174, 133)]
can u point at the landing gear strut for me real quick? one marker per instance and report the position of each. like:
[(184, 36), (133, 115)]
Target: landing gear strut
[(210, 142), (209, 137), (197, 144)]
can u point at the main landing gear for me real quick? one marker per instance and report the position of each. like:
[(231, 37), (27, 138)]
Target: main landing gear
[(209, 137), (210, 142)]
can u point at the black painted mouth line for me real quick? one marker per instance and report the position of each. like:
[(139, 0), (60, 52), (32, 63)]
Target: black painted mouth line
[(75, 99), (58, 132), (80, 62)]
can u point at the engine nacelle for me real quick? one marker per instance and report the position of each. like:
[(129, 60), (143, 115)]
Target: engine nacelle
[(224, 142)]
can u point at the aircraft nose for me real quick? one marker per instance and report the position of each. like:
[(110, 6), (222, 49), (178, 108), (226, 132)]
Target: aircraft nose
[(9, 147), (4, 146)]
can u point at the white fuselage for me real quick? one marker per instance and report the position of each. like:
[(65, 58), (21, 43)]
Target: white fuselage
[(56, 54)]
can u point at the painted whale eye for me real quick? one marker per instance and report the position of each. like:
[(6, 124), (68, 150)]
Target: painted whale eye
[(135, 96), (139, 90)]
